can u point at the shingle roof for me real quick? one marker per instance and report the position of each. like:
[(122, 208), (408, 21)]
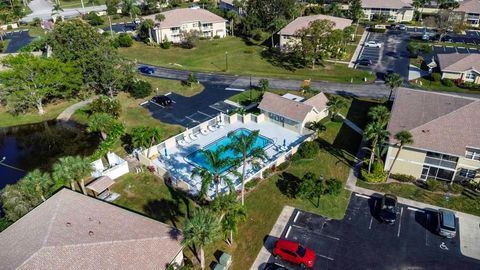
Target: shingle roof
[(469, 6), (291, 109), (393, 4), (438, 122), (302, 22), (458, 62), (74, 231), (179, 16)]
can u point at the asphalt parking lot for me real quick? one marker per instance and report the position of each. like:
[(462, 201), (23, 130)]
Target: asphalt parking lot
[(361, 241), (18, 40), (373, 54), (451, 49)]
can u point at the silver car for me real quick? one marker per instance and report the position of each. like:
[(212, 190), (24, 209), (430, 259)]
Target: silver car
[(373, 44)]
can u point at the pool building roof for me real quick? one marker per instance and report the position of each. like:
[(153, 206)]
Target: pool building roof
[(74, 231), (291, 109)]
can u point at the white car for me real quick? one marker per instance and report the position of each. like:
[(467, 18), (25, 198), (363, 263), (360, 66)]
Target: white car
[(373, 44)]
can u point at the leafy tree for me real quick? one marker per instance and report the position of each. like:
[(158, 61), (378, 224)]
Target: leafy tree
[(333, 186), (105, 124), (146, 137), (244, 146), (261, 13), (417, 4), (144, 31), (448, 20), (234, 18), (16, 202), (112, 6), (335, 105), (216, 161), (311, 187), (108, 105), (234, 215), (375, 133), (124, 40), (31, 81), (355, 10), (72, 169), (200, 230), (317, 126), (94, 19), (140, 89), (264, 85), (308, 149), (403, 138), (334, 9), (57, 9), (189, 39), (393, 80)]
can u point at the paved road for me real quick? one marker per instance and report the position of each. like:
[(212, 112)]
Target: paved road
[(43, 9)]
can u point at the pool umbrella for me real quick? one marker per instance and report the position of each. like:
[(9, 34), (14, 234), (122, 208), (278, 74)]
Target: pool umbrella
[(166, 152), (284, 142)]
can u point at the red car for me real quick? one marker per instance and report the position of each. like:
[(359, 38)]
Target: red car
[(294, 252)]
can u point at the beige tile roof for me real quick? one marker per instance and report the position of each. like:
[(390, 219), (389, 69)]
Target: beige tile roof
[(393, 4), (438, 122), (100, 184), (179, 16), (291, 109), (458, 62), (73, 231), (302, 22), (469, 6)]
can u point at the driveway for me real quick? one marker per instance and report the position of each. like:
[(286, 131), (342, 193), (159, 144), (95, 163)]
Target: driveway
[(361, 241), (18, 40)]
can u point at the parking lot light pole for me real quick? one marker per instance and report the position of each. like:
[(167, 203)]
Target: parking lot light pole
[(226, 61)]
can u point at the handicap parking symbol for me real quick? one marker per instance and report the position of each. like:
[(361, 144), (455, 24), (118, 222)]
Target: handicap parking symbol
[(443, 246)]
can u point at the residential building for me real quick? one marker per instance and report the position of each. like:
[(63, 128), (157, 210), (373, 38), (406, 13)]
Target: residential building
[(394, 10), (287, 34), (206, 23), (227, 5), (445, 131), (460, 66), (292, 112), (74, 231), (471, 11)]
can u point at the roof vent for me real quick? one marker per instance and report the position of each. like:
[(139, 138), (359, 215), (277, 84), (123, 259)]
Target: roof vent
[(68, 224), (90, 219), (425, 130), (90, 233)]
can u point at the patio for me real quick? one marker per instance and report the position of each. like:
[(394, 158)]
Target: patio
[(171, 157)]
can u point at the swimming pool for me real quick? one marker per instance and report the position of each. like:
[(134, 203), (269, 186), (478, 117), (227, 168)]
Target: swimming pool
[(199, 159)]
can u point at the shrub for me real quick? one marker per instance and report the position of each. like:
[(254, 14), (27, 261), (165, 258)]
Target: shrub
[(412, 49), (252, 183), (283, 166), (267, 172), (36, 21), (333, 186), (308, 149), (2, 46), (94, 19), (216, 37), (249, 51), (140, 89), (257, 35), (9, 27), (124, 40), (377, 174), (455, 188), (403, 177), (426, 49), (448, 82), (189, 39), (166, 44), (432, 184), (108, 105)]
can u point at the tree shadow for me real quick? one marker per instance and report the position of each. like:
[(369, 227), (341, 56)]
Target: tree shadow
[(358, 111), (346, 142), (164, 210), (281, 59), (289, 184)]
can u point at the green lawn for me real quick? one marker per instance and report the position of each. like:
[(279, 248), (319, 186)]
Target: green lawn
[(78, 3), (465, 202), (210, 55), (427, 84)]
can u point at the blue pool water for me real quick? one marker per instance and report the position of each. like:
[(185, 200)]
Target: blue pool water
[(199, 159)]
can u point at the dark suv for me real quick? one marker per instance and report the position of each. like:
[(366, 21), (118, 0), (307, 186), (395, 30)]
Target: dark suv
[(162, 100), (388, 209), (446, 223)]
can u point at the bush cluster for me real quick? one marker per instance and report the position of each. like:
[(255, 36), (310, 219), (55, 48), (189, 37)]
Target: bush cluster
[(448, 82), (252, 183), (283, 166), (308, 149), (403, 177), (93, 19), (377, 175), (140, 89), (433, 185), (124, 40), (105, 104)]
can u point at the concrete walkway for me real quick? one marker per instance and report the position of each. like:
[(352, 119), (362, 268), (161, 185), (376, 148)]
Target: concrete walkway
[(416, 73), (352, 125), (275, 233), (68, 112)]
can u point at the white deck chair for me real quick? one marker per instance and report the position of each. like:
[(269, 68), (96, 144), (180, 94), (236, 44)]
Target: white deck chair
[(193, 137), (212, 128), (204, 131), (187, 139)]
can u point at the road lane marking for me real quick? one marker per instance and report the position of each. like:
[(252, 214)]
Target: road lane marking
[(416, 209), (362, 196), (326, 257), (296, 216), (400, 222), (370, 226)]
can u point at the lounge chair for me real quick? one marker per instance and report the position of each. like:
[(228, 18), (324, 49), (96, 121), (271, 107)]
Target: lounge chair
[(221, 125), (193, 137), (204, 131), (212, 128), (181, 143), (187, 139)]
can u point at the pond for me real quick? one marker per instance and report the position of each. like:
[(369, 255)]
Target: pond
[(38, 146)]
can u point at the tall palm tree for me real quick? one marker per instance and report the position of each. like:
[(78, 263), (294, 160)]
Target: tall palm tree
[(200, 230), (56, 9), (335, 105), (234, 18), (317, 126), (106, 125), (403, 137), (38, 183), (216, 162), (234, 215), (148, 25), (374, 132), (72, 169), (380, 114), (145, 137), (393, 80), (244, 146)]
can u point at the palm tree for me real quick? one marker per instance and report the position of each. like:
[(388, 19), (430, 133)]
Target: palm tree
[(374, 132), (216, 162), (317, 126), (56, 9), (404, 137), (106, 125), (145, 137), (160, 17), (38, 183), (335, 105), (380, 114), (72, 169), (148, 25), (130, 8), (200, 230), (244, 146), (393, 80), (234, 214), (233, 17), (16, 202)]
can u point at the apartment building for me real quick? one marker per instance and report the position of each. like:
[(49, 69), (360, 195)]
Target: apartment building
[(445, 130), (394, 10)]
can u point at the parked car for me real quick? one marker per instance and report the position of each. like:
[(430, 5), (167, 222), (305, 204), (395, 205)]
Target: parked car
[(162, 100), (373, 44), (294, 252), (365, 62), (146, 70), (274, 266), (388, 209), (402, 27), (446, 223)]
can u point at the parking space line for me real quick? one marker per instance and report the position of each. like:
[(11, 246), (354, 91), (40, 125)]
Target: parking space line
[(288, 231), (191, 119), (362, 196), (400, 222), (326, 257), (296, 216), (156, 104), (204, 114), (370, 226), (415, 209)]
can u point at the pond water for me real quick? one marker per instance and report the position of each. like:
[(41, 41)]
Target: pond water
[(38, 146)]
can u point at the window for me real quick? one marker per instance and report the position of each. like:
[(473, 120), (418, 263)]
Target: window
[(436, 173), (470, 174), (441, 160), (472, 154)]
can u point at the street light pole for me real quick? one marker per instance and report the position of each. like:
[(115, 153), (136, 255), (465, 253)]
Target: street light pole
[(226, 61)]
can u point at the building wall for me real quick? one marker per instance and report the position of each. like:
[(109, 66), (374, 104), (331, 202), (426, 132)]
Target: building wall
[(173, 33), (460, 75), (283, 124), (396, 15), (409, 161), (177, 262), (469, 164), (314, 116)]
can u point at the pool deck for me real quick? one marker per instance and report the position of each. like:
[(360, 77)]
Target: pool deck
[(180, 168)]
